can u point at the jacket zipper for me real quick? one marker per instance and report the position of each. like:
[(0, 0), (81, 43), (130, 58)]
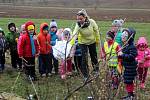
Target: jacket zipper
[(46, 44)]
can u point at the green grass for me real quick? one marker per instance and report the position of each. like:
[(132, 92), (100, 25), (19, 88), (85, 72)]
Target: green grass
[(54, 88), (141, 28)]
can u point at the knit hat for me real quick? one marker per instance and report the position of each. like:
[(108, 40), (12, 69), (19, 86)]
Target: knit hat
[(11, 25), (111, 34), (118, 23), (30, 27), (53, 23), (83, 13)]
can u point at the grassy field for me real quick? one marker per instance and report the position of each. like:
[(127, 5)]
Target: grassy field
[(53, 88), (141, 28)]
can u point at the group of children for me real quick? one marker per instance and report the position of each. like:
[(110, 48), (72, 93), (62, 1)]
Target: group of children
[(24, 48), (124, 57), (118, 50)]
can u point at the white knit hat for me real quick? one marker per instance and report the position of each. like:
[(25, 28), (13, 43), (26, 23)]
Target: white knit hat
[(118, 23), (53, 23)]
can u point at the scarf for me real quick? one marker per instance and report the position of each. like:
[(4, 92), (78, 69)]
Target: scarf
[(32, 45)]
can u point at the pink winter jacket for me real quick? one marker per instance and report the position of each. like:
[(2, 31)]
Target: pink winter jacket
[(143, 56)]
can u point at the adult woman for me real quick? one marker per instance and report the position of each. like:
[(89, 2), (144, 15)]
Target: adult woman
[(86, 30)]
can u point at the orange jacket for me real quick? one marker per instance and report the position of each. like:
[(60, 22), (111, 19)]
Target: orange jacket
[(44, 40)]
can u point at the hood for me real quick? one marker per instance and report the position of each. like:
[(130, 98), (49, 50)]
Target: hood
[(131, 35), (27, 24), (11, 25), (41, 27), (142, 40), (67, 31)]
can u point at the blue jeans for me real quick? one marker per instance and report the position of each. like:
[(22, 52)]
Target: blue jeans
[(45, 63)]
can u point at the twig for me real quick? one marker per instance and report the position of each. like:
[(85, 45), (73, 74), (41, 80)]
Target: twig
[(34, 88), (12, 88), (78, 88), (24, 60), (85, 83)]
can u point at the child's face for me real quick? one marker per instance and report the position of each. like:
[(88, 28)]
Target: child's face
[(23, 31), (53, 29), (45, 31), (12, 29), (108, 38), (1, 34), (114, 29), (142, 47), (124, 36), (66, 37), (31, 32)]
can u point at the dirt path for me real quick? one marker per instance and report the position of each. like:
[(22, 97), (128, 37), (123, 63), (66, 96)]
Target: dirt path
[(140, 15)]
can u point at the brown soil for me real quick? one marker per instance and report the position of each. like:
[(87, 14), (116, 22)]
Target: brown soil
[(140, 15)]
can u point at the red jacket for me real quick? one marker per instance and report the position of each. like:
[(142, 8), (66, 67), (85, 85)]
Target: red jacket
[(44, 41), (24, 49)]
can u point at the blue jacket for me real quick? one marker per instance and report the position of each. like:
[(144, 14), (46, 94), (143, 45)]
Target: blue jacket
[(53, 38), (128, 59), (78, 49)]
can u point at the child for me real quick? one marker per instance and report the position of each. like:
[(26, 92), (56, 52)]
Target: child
[(66, 69), (110, 52), (77, 57), (2, 50), (22, 31), (29, 49), (12, 38), (53, 31), (128, 55), (117, 28), (143, 59), (44, 39)]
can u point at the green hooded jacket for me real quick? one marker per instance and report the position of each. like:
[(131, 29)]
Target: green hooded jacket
[(11, 39)]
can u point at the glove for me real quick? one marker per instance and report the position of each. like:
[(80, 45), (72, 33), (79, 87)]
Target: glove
[(16, 40)]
